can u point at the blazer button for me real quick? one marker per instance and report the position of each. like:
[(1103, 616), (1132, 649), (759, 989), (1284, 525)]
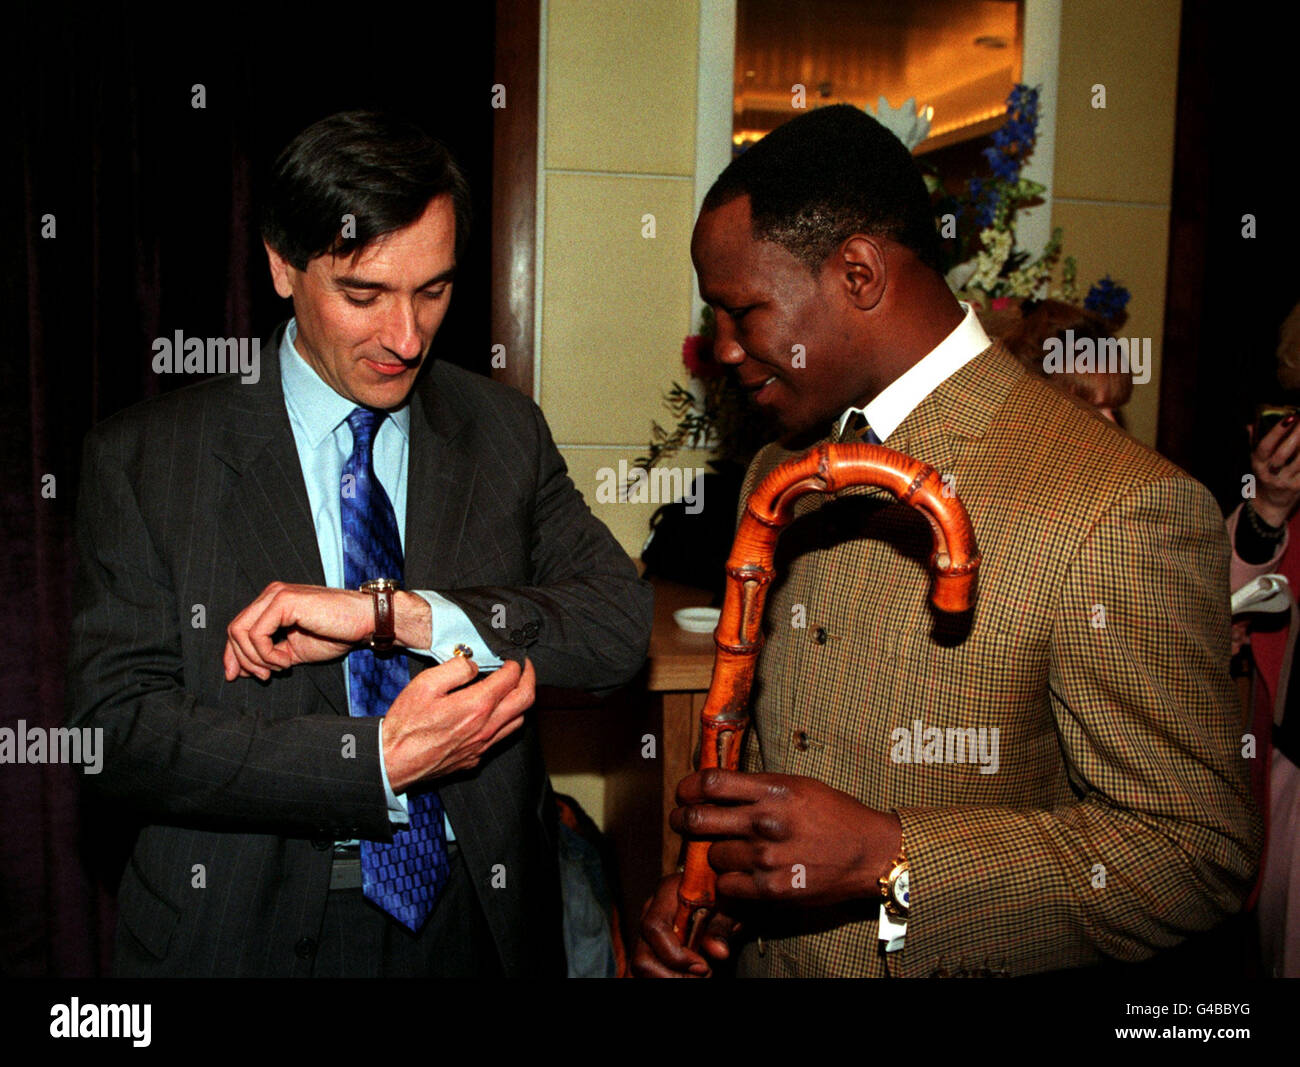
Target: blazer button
[(800, 739), (516, 637), (305, 948), (321, 844), (820, 635)]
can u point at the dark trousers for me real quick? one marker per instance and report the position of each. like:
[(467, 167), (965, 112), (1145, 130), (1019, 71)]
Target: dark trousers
[(360, 941)]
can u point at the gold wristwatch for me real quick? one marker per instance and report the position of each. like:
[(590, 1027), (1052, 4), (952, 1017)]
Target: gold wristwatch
[(894, 888)]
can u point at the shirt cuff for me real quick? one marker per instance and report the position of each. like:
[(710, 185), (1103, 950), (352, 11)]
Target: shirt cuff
[(450, 626), (397, 814)]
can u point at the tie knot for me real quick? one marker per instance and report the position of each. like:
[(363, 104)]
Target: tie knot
[(857, 429), (363, 422)]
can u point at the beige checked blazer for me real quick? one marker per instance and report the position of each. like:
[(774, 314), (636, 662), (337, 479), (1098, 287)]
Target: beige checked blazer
[(1118, 818)]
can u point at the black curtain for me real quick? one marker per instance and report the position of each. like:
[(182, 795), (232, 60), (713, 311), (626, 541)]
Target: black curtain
[(133, 214), (1228, 292)]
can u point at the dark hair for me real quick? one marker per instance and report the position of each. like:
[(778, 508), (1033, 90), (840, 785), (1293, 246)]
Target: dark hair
[(825, 176), (381, 169)]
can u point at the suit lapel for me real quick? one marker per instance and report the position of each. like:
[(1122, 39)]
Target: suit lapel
[(924, 435), (439, 488), (265, 515), (959, 409)]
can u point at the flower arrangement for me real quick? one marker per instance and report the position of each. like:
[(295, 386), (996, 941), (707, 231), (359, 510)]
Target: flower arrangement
[(990, 271)]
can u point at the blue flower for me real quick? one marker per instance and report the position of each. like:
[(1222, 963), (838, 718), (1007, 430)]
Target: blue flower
[(1004, 166), (1022, 111), (1023, 102), (1014, 139), (1106, 298), (984, 201)]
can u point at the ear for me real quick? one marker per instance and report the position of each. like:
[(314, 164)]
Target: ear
[(282, 271), (861, 260)]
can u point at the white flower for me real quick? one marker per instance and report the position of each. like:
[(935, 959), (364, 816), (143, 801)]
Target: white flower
[(988, 264), (960, 275), (908, 123)]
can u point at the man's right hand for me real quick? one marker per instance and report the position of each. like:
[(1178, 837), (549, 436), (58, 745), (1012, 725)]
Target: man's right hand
[(658, 953), (430, 731)]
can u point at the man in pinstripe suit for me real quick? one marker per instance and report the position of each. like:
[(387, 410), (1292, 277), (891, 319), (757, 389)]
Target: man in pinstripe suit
[(226, 503), (1100, 807)]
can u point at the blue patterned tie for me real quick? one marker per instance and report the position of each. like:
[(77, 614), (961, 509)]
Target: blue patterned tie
[(402, 878)]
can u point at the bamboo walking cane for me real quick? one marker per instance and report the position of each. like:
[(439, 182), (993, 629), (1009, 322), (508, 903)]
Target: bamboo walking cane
[(827, 468)]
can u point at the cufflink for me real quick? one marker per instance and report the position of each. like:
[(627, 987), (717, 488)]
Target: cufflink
[(463, 650)]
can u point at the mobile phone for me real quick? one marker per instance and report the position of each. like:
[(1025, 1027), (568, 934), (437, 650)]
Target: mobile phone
[(1269, 415)]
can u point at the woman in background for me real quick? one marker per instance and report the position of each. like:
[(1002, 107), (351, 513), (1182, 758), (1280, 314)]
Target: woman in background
[(1264, 531)]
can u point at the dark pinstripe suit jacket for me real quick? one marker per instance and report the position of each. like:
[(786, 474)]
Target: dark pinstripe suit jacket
[(190, 505), (1119, 818)]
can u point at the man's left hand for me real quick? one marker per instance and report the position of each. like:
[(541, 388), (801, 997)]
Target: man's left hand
[(785, 838), (320, 623)]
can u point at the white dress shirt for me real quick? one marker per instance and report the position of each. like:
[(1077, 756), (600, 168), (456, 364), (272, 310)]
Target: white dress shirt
[(901, 396)]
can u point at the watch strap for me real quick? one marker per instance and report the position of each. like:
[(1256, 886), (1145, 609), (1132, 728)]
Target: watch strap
[(382, 591)]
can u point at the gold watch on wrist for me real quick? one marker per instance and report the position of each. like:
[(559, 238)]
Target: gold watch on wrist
[(894, 886), (382, 591)]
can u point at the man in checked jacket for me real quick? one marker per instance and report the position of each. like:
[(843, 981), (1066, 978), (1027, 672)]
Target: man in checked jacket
[(1053, 781)]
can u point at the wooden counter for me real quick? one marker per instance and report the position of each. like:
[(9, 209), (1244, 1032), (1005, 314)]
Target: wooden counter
[(640, 791)]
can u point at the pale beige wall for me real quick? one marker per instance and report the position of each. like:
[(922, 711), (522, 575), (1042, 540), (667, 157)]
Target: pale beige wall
[(617, 143), (1114, 166)]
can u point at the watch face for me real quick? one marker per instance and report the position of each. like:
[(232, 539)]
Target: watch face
[(901, 891)]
